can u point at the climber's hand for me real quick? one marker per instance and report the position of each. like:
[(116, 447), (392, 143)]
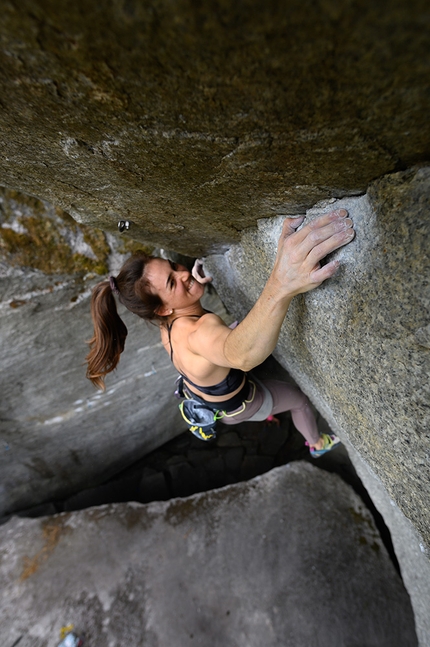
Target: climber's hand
[(297, 266)]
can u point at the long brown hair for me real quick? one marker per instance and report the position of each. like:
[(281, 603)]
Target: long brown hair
[(110, 331)]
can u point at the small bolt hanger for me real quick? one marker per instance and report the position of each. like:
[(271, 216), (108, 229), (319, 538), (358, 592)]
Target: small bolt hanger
[(123, 225)]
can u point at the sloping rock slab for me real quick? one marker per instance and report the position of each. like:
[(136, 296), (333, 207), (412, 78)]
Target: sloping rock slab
[(58, 434), (289, 558), (358, 346)]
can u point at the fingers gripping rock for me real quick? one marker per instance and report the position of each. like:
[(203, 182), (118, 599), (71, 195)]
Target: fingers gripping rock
[(300, 251)]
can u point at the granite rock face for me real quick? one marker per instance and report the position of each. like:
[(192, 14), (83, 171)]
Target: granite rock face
[(290, 558), (357, 345), (58, 434), (193, 120)]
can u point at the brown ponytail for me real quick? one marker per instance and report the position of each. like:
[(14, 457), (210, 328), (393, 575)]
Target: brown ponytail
[(110, 331)]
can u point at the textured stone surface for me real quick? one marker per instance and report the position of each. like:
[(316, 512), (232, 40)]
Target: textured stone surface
[(355, 347), (289, 558), (195, 119), (58, 434)]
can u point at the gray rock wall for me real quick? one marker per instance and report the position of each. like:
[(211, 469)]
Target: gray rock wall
[(289, 558), (58, 434), (359, 347), (193, 120)]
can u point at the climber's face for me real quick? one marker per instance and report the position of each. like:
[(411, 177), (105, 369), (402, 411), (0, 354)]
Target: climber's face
[(174, 284)]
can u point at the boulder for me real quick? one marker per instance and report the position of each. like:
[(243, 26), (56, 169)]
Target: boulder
[(358, 347), (58, 434), (289, 558), (193, 120)]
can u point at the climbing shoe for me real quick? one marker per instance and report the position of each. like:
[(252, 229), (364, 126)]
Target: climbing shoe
[(330, 441)]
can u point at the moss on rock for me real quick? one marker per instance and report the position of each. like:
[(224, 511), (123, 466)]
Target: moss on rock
[(36, 235)]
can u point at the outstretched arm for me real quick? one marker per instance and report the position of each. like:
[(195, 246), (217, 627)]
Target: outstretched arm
[(296, 270)]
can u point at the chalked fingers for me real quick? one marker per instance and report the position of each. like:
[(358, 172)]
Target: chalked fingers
[(330, 244), (331, 233)]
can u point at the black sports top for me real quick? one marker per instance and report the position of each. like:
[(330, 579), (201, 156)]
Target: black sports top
[(229, 384)]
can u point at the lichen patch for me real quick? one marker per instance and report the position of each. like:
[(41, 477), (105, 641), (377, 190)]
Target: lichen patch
[(38, 235), (52, 530)]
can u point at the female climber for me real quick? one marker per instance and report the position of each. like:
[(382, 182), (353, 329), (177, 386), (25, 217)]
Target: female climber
[(214, 360)]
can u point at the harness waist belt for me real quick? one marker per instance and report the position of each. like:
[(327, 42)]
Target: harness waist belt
[(226, 405)]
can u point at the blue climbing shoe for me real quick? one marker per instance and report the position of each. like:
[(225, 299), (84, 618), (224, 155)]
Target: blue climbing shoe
[(330, 441)]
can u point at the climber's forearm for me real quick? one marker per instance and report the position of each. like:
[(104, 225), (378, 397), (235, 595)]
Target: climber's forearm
[(255, 338), (297, 269)]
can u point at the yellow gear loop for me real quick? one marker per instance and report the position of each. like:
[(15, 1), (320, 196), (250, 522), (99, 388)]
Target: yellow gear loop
[(65, 630)]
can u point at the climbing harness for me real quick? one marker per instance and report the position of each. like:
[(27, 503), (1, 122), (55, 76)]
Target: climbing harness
[(202, 416)]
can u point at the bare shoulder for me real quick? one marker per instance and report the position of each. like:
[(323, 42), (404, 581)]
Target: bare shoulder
[(209, 334), (187, 326), (210, 320)]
